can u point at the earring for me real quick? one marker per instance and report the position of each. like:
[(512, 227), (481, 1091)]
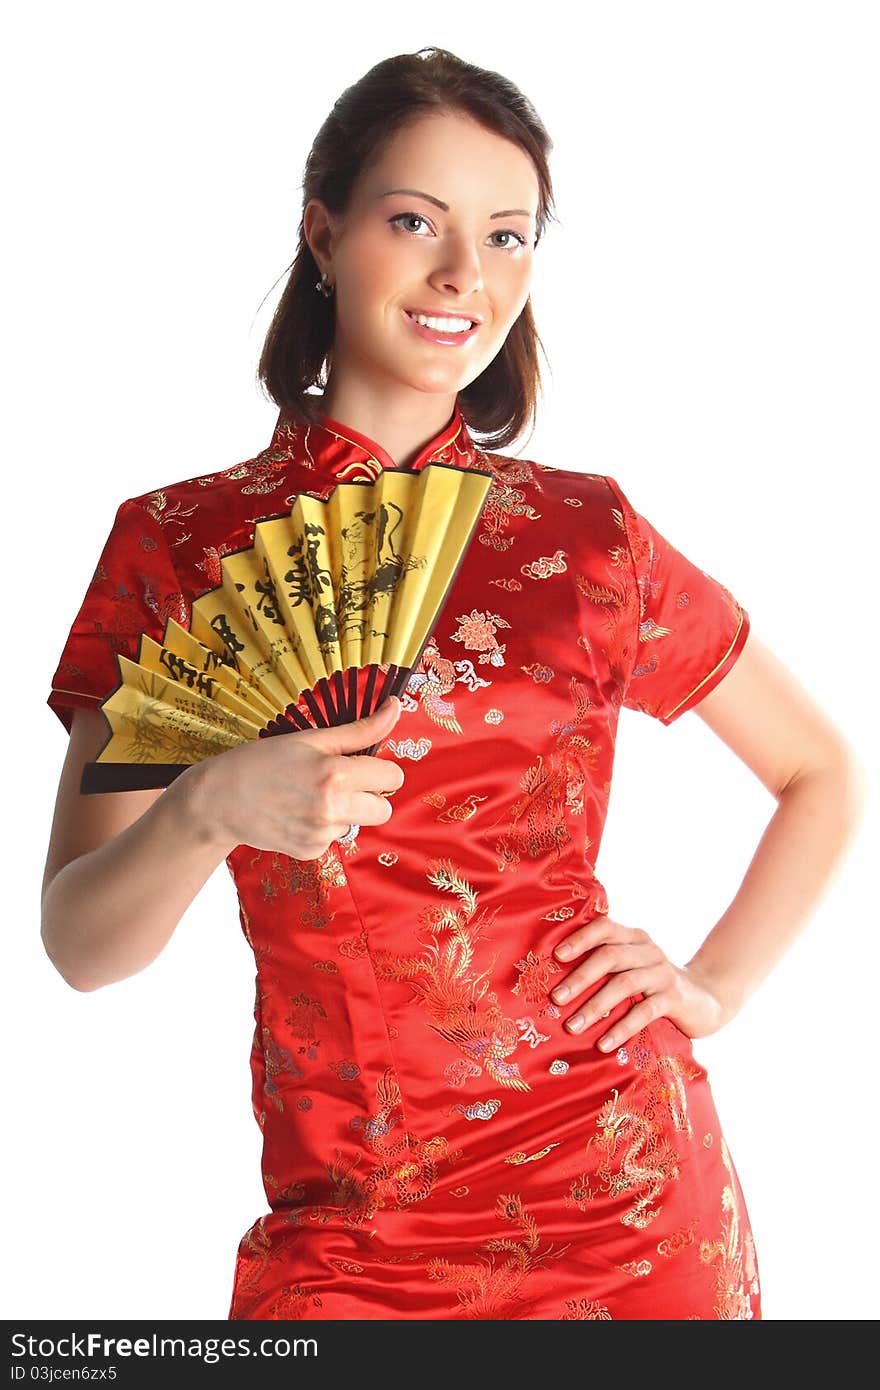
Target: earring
[(322, 285)]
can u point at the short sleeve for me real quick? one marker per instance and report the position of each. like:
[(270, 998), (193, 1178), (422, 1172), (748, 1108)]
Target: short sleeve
[(691, 629), (134, 589)]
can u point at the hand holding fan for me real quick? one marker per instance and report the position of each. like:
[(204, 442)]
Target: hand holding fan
[(316, 624)]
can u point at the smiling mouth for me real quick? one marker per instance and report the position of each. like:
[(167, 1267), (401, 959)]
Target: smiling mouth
[(444, 335)]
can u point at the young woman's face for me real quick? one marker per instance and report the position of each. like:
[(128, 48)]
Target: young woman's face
[(394, 252)]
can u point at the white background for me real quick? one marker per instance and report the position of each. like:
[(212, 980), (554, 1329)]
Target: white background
[(709, 305)]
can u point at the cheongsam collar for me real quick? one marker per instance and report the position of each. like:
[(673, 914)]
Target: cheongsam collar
[(333, 449)]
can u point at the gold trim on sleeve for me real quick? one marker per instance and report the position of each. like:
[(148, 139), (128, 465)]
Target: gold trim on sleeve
[(715, 668)]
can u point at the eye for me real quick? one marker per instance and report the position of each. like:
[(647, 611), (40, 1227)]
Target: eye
[(417, 217), (520, 239), (414, 216)]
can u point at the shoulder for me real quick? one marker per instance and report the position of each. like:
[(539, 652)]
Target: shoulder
[(551, 480), (222, 488), (580, 511), (202, 518)]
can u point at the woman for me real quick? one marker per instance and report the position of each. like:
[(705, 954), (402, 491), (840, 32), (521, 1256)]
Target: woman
[(477, 1090)]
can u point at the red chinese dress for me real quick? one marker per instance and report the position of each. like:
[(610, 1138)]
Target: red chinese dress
[(435, 1143)]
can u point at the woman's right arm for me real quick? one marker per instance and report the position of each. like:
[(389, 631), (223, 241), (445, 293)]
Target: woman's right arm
[(123, 867)]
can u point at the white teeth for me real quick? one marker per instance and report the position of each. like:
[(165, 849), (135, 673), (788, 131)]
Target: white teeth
[(442, 325)]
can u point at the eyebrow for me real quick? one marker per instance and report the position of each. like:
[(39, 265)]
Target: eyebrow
[(414, 192)]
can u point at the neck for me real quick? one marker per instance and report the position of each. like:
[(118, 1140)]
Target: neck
[(402, 426)]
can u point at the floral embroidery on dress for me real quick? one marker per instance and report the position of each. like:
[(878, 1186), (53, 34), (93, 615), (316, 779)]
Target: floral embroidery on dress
[(535, 982), (476, 631), (504, 504), (585, 1310)]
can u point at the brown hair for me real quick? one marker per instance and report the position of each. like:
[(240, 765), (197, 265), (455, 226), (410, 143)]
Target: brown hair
[(298, 346)]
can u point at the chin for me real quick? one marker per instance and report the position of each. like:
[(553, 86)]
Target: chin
[(435, 383)]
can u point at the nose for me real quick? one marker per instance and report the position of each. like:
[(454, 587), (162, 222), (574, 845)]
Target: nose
[(461, 272)]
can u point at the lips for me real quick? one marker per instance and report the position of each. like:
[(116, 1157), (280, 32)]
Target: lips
[(438, 336)]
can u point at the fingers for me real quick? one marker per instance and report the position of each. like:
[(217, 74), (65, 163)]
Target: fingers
[(612, 957), (632, 1022), (363, 793), (631, 963), (369, 808), (381, 775), (593, 933), (342, 775), (618, 988)]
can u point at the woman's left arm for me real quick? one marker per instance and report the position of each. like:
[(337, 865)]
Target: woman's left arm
[(767, 718)]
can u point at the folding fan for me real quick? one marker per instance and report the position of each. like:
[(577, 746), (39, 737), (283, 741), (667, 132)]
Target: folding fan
[(316, 624)]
